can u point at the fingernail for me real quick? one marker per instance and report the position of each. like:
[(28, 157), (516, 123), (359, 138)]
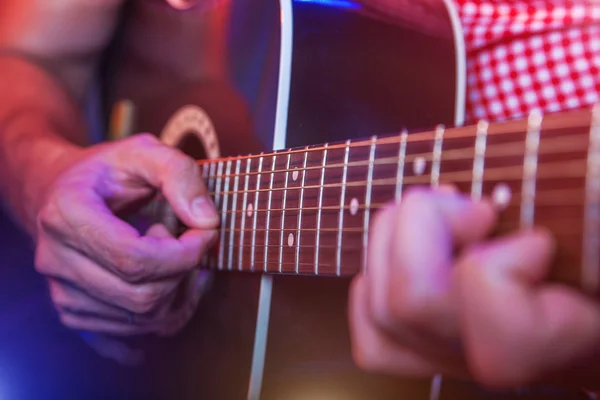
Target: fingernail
[(203, 208)]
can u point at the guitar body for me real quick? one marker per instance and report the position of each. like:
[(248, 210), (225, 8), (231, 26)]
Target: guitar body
[(352, 75)]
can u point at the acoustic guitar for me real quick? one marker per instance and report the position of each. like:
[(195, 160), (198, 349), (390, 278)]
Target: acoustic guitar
[(360, 110)]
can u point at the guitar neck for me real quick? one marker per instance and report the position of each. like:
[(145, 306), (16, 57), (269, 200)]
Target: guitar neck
[(308, 210)]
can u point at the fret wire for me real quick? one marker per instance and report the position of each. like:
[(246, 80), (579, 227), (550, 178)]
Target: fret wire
[(459, 176), (219, 182), (401, 162), (590, 274), (319, 211), (367, 212), (224, 217), (458, 133), (218, 200), (243, 212), (269, 212), (342, 207), (260, 166), (211, 178), (300, 208), (530, 161), (205, 174), (479, 160), (205, 168), (233, 208), (289, 157), (437, 155)]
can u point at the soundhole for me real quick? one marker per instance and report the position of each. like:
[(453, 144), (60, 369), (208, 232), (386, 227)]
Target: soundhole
[(192, 146)]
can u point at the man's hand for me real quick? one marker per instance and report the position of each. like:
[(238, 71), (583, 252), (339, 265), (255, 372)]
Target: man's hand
[(437, 297), (106, 277)]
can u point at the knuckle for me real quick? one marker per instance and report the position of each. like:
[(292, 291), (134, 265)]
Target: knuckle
[(473, 258), (42, 261), (57, 294), (498, 364), (182, 164), (489, 373), (411, 309), (145, 299), (67, 321), (50, 217), (131, 265), (367, 358), (144, 139)]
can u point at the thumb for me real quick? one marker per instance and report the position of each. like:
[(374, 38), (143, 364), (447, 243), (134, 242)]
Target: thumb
[(176, 175)]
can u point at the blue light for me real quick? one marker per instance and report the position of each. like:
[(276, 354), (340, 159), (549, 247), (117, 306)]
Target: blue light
[(332, 3)]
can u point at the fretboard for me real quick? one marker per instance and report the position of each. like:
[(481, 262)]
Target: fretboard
[(309, 210)]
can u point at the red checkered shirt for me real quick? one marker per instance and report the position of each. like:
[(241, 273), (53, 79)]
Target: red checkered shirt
[(523, 55)]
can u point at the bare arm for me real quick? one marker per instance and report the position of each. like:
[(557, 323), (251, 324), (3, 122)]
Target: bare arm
[(103, 275), (48, 51)]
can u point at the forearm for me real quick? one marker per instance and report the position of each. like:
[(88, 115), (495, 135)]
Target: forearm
[(41, 130)]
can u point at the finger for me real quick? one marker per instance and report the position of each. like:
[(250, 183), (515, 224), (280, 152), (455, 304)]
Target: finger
[(159, 231), (193, 290), (405, 324), (68, 298), (429, 225), (101, 325), (372, 349), (167, 324), (176, 175), (91, 227), (517, 328), (71, 266)]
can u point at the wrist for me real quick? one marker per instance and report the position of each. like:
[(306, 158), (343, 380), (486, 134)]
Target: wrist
[(33, 156), (41, 131)]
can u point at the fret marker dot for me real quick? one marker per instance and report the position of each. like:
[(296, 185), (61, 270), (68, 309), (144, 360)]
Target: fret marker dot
[(501, 196), (419, 166), (249, 210), (354, 206), (295, 175), (291, 240)]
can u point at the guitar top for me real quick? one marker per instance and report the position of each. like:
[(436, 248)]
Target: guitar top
[(352, 75)]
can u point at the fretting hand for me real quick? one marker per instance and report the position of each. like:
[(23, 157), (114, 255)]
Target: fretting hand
[(438, 297), (106, 277)]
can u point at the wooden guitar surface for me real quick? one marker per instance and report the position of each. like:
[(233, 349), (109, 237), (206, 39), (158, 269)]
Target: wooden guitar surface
[(353, 75)]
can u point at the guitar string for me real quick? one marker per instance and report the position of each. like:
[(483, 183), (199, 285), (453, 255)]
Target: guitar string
[(451, 133), (350, 249), (273, 251), (550, 200), (563, 169), (561, 145), (361, 230)]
